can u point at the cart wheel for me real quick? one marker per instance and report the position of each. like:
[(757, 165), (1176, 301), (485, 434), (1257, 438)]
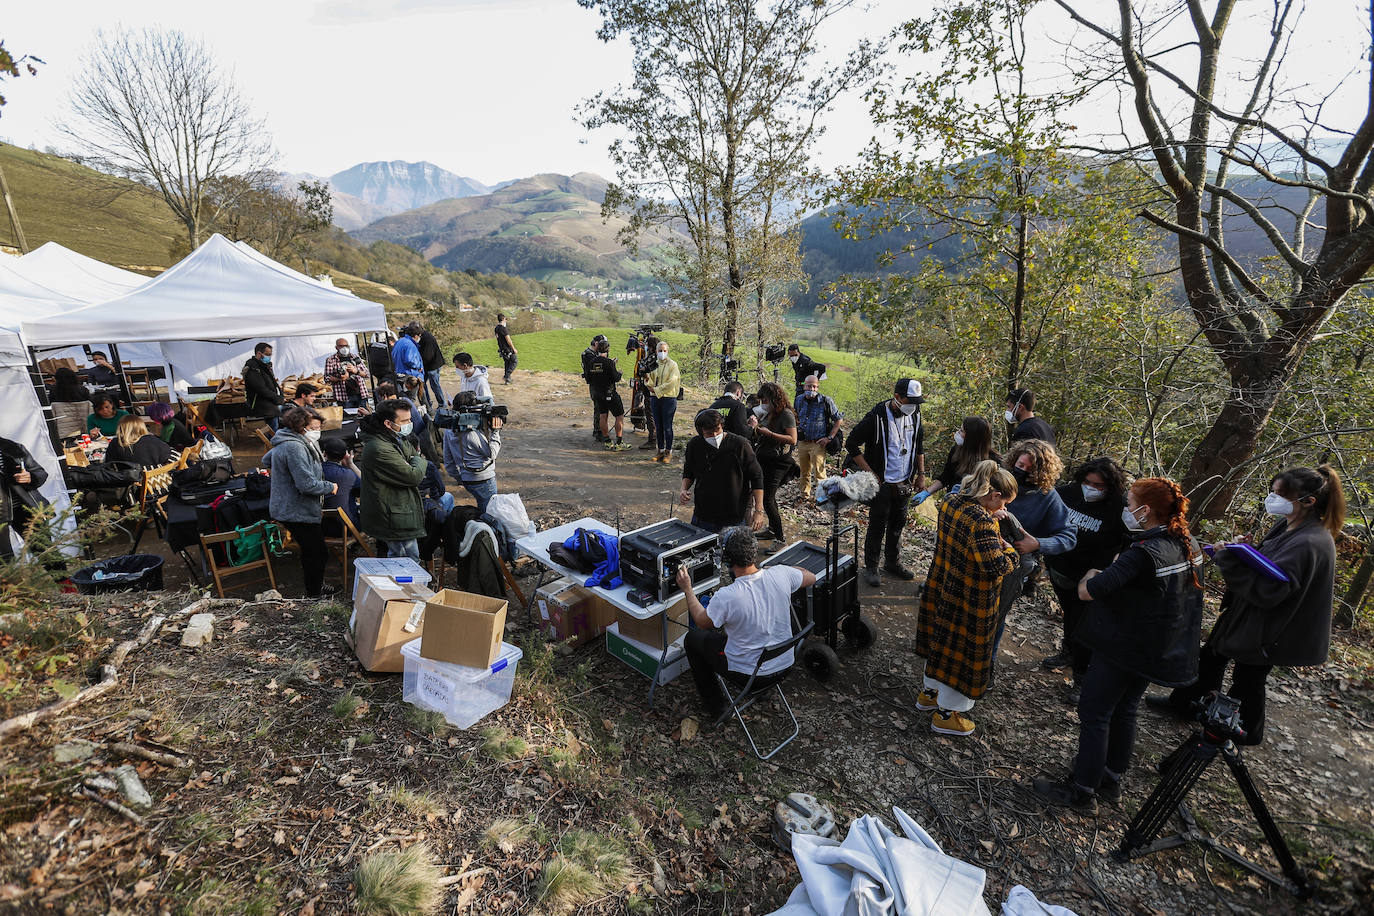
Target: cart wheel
[(820, 660), (860, 631)]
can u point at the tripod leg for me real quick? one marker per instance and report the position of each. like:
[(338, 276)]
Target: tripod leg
[(1186, 767), (1266, 822)]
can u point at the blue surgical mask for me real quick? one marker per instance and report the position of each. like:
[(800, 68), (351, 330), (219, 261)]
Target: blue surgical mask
[(407, 427), (267, 359)]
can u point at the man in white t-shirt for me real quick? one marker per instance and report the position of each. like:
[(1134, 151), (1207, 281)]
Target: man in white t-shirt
[(744, 618)]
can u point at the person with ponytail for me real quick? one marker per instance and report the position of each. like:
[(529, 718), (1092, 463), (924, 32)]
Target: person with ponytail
[(1142, 626), (1265, 622)]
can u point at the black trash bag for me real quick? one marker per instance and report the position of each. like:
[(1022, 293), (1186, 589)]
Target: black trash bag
[(140, 572)]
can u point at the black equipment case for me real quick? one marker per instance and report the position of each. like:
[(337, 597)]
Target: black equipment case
[(832, 603), (650, 556)]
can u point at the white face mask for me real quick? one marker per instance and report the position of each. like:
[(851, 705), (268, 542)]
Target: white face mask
[(760, 411), (1132, 523), (811, 395), (907, 409), (794, 359), (958, 437), (467, 373), (1274, 504), (405, 428), (1093, 494), (715, 440), (662, 354), (1010, 415), (313, 435), (343, 351)]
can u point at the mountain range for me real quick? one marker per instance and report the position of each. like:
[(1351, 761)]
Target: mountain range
[(370, 191)]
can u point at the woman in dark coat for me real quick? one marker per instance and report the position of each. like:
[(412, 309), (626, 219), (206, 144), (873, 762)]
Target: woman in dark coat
[(21, 475), (972, 444), (774, 423), (958, 617), (1142, 626), (1265, 622)]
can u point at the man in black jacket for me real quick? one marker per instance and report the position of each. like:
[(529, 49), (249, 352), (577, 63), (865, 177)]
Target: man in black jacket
[(433, 358), (802, 366), (588, 355), (1020, 415), (726, 474), (890, 442), (601, 375), (260, 385), (20, 477), (732, 409)]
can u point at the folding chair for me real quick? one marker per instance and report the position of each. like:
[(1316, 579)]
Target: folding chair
[(343, 544), (189, 454), (261, 433), (210, 541), (154, 484), (756, 687)]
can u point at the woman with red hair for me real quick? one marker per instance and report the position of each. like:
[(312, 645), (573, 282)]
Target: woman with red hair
[(1142, 626)]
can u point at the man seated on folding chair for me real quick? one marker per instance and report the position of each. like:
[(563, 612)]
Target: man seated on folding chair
[(745, 617)]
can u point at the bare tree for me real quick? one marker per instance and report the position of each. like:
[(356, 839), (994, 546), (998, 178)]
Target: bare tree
[(1258, 314), (154, 106)]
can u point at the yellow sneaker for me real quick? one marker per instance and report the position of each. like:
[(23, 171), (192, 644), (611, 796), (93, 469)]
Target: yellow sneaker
[(927, 700), (951, 723)]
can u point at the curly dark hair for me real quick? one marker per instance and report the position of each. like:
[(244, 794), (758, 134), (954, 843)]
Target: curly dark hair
[(1109, 471), (771, 396)]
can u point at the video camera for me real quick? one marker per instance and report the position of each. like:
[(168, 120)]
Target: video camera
[(473, 417), (648, 360), (775, 353)]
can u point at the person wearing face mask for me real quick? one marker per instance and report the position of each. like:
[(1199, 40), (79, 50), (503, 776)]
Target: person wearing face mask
[(1142, 626), (392, 469), (345, 371), (1042, 519), (407, 363), (1094, 497), (958, 613), (471, 378), (1020, 415), (1265, 622), (802, 366), (972, 444), (732, 407), (818, 423), (298, 487), (889, 442), (726, 475), (260, 386), (664, 385), (470, 454), (775, 434)]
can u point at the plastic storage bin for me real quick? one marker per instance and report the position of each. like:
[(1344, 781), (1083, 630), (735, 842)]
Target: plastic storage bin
[(462, 694), (402, 569)]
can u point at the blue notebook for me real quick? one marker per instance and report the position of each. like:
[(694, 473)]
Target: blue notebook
[(1254, 559)]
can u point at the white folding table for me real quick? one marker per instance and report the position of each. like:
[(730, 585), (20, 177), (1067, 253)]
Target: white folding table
[(537, 546)]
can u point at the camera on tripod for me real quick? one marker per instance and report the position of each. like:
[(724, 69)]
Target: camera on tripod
[(775, 353), (1220, 717), (468, 418), (648, 359)]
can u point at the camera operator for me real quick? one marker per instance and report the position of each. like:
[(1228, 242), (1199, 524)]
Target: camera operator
[(589, 354), (470, 454), (644, 347), (602, 375), (728, 478), (732, 407), (802, 366), (471, 378)]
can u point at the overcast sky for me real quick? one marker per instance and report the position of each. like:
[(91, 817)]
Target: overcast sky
[(484, 88)]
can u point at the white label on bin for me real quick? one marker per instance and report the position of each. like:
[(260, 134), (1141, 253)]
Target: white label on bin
[(543, 609), (413, 621), (436, 689)]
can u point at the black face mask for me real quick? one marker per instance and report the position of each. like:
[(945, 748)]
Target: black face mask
[(1020, 474)]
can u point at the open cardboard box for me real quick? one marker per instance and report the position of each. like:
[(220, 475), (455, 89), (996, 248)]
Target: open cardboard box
[(386, 616), (463, 628), (572, 614), (650, 631)]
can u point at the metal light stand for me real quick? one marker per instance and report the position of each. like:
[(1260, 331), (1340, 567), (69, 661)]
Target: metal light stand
[(1181, 771)]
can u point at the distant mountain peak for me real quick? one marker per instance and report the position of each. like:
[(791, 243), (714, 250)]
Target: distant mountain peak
[(397, 185)]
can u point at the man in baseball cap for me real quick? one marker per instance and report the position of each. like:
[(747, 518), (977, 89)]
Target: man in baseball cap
[(889, 442)]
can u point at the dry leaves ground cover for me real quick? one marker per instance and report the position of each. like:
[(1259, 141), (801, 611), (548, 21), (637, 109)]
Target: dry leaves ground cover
[(284, 778)]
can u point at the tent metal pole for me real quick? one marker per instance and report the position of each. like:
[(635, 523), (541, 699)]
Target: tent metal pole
[(41, 389), (123, 379)]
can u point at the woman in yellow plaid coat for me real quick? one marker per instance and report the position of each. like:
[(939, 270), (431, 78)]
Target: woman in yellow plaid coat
[(959, 603)]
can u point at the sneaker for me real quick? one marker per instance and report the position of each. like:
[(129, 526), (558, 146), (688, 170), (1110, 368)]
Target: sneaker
[(927, 700), (951, 723), (1058, 660), (871, 577), (1073, 695), (899, 571), (621, 445), (1066, 794), (610, 446)]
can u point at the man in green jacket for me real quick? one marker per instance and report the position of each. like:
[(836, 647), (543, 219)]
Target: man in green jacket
[(392, 468)]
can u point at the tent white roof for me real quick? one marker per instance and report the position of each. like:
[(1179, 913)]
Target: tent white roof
[(23, 297), (75, 275), (218, 292)]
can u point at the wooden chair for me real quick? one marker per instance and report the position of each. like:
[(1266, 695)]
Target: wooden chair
[(210, 542), (261, 433), (141, 387), (194, 412), (189, 454), (154, 484), (343, 544)]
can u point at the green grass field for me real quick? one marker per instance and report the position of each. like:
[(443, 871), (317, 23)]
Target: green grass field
[(855, 382)]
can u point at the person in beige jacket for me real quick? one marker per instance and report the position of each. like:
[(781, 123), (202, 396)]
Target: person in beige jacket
[(664, 385)]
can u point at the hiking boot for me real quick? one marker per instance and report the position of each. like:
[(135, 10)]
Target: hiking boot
[(1164, 702), (1109, 791), (871, 577), (951, 723), (927, 700), (648, 445), (1060, 659), (1073, 695), (1066, 794), (897, 570)]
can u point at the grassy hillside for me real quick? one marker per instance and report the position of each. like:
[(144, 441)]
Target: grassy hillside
[(855, 382), (116, 221)]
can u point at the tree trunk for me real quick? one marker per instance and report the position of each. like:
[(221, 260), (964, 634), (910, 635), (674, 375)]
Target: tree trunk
[(1348, 609)]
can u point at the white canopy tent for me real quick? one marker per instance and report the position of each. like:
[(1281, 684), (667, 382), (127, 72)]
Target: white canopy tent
[(209, 310), (22, 419)]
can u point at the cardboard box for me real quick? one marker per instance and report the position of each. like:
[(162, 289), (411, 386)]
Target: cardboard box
[(50, 366), (330, 417), (463, 628), (644, 659), (650, 631), (570, 613), (386, 616)]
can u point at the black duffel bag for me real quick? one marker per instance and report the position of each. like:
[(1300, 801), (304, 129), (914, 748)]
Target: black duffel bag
[(201, 475)]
